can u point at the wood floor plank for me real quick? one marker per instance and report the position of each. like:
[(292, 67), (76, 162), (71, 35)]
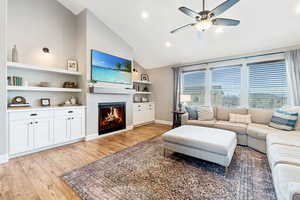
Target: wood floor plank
[(38, 176)]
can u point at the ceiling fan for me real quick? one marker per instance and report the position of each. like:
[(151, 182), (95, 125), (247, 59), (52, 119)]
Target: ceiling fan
[(205, 19)]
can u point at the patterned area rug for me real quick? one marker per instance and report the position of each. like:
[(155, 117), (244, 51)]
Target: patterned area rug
[(142, 172)]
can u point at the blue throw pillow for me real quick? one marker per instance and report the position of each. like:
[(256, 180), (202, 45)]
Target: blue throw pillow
[(193, 112), (284, 120)]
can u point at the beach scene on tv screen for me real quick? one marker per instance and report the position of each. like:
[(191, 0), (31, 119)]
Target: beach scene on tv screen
[(108, 68)]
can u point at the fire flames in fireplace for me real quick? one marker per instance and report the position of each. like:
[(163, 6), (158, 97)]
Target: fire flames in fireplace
[(111, 117)]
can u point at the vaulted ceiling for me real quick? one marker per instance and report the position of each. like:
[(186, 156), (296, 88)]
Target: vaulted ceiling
[(265, 24)]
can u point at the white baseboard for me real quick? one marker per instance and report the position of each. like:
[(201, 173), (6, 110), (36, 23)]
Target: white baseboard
[(97, 136), (3, 158), (164, 122)]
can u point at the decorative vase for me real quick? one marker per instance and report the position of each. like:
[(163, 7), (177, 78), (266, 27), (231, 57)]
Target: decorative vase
[(14, 54)]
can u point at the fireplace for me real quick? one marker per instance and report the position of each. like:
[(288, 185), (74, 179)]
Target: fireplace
[(112, 117)]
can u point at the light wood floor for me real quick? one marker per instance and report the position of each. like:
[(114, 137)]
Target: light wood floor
[(37, 176)]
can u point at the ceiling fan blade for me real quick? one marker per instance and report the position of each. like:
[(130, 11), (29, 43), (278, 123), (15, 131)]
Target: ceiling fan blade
[(189, 12), (223, 7), (182, 27), (225, 22)]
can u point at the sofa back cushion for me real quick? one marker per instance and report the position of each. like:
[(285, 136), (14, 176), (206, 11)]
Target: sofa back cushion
[(284, 120), (205, 113), (261, 116), (222, 114)]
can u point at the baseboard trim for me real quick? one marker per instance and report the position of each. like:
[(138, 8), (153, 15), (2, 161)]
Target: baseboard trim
[(164, 122), (3, 158), (96, 136)]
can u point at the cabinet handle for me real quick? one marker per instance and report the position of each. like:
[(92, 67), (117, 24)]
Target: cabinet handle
[(70, 111), (33, 114)]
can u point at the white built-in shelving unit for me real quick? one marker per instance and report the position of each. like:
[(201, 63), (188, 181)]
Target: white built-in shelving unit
[(34, 75)]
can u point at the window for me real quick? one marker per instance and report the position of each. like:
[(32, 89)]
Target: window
[(226, 86), (193, 84), (267, 85)]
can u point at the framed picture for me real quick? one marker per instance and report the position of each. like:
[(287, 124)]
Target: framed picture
[(45, 102), (72, 65), (144, 77)]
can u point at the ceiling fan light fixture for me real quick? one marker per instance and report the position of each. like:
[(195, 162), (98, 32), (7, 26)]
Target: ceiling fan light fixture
[(203, 25)]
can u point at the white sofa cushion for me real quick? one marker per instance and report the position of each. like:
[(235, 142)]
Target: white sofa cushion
[(201, 123), (208, 139), (223, 113), (286, 181), (260, 131), (235, 127), (290, 139), (282, 154)]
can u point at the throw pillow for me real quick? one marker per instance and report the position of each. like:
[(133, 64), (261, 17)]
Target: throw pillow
[(236, 118), (284, 120), (205, 114), (294, 109), (193, 112)]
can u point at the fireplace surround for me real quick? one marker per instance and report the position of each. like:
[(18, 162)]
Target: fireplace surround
[(112, 117)]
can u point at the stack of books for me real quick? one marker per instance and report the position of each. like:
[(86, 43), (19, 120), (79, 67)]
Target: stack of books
[(14, 81)]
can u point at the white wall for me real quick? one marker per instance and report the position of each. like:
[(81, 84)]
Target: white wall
[(3, 131), (100, 37), (162, 86), (34, 24)]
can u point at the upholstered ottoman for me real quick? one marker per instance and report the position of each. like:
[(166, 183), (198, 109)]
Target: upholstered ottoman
[(214, 145)]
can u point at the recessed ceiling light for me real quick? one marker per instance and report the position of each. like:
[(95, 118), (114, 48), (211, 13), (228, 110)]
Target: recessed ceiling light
[(219, 30), (168, 44), (145, 15)]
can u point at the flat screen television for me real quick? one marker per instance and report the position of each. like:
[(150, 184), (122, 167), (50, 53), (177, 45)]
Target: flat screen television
[(111, 69)]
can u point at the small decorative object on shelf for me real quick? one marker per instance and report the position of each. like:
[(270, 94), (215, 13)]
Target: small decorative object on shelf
[(145, 89), (73, 100), (45, 102), (14, 81), (19, 101), (70, 85), (44, 84), (144, 77), (137, 99), (14, 54), (72, 65), (145, 99)]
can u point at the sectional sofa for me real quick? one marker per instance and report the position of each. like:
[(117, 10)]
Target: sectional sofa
[(252, 135), (282, 147)]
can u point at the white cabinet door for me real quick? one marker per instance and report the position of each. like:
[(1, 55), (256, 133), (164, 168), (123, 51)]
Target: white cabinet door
[(43, 132), (21, 136), (61, 129), (76, 127)]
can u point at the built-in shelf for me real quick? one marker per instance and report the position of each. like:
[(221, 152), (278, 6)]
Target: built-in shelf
[(142, 92), (41, 68), (46, 89), (143, 82)]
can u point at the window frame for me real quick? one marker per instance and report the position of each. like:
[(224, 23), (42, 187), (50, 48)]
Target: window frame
[(244, 62)]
